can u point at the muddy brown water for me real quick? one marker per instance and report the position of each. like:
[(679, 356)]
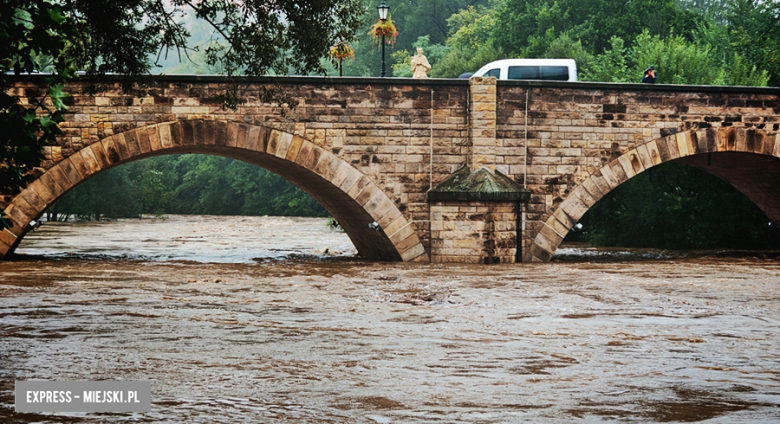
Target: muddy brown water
[(251, 320)]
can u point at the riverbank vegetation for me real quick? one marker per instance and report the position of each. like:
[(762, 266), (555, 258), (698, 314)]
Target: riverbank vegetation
[(185, 184), (676, 207)]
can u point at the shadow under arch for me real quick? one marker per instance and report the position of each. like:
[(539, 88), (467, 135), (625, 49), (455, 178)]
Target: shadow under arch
[(346, 193), (746, 158)]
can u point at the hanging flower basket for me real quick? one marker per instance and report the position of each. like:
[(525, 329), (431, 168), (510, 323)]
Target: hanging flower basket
[(342, 51), (385, 28)]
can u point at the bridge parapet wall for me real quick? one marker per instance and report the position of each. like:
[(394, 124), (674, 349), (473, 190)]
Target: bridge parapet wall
[(406, 136)]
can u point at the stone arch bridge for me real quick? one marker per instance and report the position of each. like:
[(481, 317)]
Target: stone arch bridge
[(425, 170)]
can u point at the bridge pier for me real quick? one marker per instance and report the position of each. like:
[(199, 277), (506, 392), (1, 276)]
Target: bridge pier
[(476, 217), (474, 231), (476, 214)]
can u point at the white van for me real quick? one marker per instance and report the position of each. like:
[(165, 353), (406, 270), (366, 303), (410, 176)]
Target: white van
[(530, 69)]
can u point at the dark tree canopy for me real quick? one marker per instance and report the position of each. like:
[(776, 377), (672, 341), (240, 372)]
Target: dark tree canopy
[(185, 184), (251, 37), (677, 207), (524, 25), (31, 31), (126, 38)]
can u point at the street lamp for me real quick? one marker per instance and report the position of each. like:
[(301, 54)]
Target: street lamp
[(383, 9)]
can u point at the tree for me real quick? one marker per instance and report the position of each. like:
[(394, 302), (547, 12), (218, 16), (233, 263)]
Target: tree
[(565, 47), (111, 194), (525, 28), (186, 184), (677, 60), (265, 193), (471, 42), (127, 38), (712, 9), (677, 207), (610, 66), (203, 187), (416, 19), (33, 33), (754, 32), (152, 192)]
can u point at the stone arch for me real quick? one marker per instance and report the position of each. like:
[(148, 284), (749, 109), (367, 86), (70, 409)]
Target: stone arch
[(349, 195), (748, 158)]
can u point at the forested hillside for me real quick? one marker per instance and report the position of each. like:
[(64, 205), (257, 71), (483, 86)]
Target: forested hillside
[(709, 42), (185, 184)]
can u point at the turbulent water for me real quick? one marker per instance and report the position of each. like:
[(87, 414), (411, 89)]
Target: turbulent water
[(233, 239), (252, 320)]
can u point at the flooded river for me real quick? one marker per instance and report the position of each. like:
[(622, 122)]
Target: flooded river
[(272, 320)]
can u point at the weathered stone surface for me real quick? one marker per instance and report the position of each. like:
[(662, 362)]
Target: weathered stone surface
[(73, 177), (295, 148), (90, 161), (153, 132), (415, 253), (369, 136), (42, 190), (609, 177), (7, 238), (482, 124), (473, 231)]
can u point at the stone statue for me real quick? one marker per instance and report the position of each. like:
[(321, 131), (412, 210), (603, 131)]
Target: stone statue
[(420, 65)]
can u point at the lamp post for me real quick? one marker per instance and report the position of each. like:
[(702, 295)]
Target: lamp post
[(382, 9)]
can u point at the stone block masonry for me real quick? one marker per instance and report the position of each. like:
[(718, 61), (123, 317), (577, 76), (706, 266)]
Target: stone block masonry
[(370, 149), (473, 231), (482, 125)]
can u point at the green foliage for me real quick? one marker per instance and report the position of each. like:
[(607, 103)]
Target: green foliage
[(366, 62), (126, 38), (687, 45), (610, 66), (152, 192), (566, 48), (526, 27), (286, 36), (186, 184), (108, 195), (754, 32), (30, 31), (129, 38), (415, 19), (469, 42), (739, 72), (677, 208), (676, 60), (711, 9)]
